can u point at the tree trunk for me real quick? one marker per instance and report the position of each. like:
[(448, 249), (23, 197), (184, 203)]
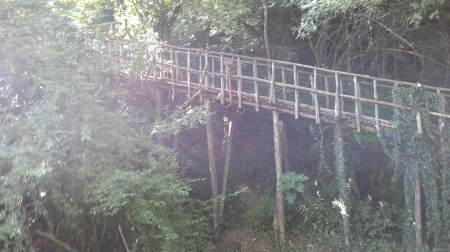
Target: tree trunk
[(417, 210), (212, 162), (231, 126), (344, 191), (285, 145), (279, 216), (266, 35)]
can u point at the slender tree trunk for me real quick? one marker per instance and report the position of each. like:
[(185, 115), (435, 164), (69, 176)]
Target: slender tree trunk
[(417, 210), (212, 162), (344, 191), (266, 35), (285, 144), (279, 215), (231, 126)]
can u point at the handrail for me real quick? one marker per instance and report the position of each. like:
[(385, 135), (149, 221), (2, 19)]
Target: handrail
[(299, 88)]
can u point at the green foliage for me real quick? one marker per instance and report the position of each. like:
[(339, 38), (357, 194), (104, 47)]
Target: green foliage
[(292, 181), (76, 158)]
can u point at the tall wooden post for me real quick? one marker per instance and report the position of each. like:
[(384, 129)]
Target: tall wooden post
[(279, 216), (212, 161), (231, 126)]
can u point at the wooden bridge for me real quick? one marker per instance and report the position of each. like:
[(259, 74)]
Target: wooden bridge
[(296, 89), (300, 90)]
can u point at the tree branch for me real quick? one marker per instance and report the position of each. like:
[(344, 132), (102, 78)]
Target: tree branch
[(55, 240)]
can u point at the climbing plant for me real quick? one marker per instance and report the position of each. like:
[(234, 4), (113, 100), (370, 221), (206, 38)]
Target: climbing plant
[(416, 146)]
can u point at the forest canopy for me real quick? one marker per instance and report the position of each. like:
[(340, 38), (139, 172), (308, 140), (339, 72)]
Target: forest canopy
[(90, 161)]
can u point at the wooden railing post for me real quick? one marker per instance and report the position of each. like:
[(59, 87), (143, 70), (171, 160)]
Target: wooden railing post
[(228, 64), (357, 104), (189, 73), (222, 82), (172, 73), (337, 104), (283, 78), (239, 72), (205, 72), (272, 94), (375, 97), (296, 92), (327, 89), (316, 97), (255, 82)]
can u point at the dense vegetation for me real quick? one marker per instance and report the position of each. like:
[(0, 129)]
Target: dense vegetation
[(88, 161)]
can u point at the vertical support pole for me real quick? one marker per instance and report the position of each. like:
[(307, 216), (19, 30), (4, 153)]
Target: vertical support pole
[(172, 75), (327, 89), (279, 216), (296, 92), (316, 97), (189, 73), (222, 82), (231, 126), (272, 95), (239, 73), (375, 97), (283, 78), (161, 66), (255, 82), (357, 104), (212, 161), (311, 81), (228, 64)]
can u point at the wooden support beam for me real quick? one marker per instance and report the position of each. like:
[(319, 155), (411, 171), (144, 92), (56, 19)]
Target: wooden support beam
[(279, 214), (231, 126)]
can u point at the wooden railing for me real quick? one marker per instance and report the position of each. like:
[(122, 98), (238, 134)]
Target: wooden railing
[(292, 88)]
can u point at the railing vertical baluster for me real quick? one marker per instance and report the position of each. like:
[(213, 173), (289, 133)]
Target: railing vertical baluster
[(357, 104), (161, 64), (316, 97), (441, 120), (239, 72), (172, 73), (272, 95), (337, 104), (311, 81), (283, 78), (375, 97), (341, 91), (419, 123), (177, 74), (255, 76), (222, 82), (327, 89), (296, 92), (155, 71), (205, 72), (189, 72)]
